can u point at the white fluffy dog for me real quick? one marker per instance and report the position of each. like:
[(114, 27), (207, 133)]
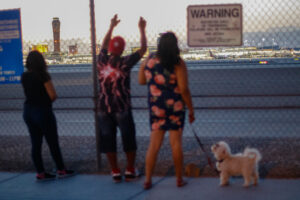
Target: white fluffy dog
[(245, 164)]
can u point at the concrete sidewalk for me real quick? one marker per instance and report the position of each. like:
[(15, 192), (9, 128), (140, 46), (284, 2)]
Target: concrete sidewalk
[(22, 186)]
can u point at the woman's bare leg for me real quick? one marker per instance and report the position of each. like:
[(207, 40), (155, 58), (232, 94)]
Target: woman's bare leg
[(156, 140), (176, 145)]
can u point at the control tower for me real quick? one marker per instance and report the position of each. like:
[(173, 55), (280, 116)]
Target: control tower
[(56, 34)]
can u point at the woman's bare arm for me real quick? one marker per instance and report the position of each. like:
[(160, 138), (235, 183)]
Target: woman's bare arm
[(50, 90), (182, 80), (142, 78)]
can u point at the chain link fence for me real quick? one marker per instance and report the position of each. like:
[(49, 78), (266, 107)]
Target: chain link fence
[(246, 96)]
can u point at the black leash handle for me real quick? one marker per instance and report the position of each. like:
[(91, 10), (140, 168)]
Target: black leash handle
[(202, 148)]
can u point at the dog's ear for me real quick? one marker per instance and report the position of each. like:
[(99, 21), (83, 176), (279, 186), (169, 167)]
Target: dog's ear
[(213, 148)]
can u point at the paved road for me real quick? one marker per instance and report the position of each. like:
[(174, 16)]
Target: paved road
[(205, 79), (243, 103), (214, 123), (218, 88)]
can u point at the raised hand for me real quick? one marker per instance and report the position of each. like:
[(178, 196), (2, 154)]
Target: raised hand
[(142, 23), (114, 21)]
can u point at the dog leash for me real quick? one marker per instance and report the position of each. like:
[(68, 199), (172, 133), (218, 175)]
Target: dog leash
[(202, 148)]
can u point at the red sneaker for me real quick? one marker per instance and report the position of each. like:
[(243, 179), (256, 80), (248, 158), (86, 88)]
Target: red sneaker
[(131, 174), (45, 176), (116, 175), (65, 173)]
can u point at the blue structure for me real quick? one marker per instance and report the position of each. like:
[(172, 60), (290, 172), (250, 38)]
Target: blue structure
[(11, 56)]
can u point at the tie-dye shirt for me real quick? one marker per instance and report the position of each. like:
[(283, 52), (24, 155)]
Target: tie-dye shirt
[(114, 81)]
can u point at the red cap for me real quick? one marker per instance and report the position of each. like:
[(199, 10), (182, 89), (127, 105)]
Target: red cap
[(116, 45)]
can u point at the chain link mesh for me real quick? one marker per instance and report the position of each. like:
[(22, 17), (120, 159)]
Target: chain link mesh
[(247, 96)]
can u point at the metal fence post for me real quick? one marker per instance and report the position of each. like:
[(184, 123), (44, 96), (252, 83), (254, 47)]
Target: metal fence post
[(93, 46)]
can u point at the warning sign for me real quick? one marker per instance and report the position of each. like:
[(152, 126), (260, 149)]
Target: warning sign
[(215, 25)]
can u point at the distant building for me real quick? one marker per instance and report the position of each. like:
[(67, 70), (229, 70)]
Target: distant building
[(150, 49), (73, 49), (56, 34), (43, 48)]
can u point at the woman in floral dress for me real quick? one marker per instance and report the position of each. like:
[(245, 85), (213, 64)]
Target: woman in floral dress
[(165, 74)]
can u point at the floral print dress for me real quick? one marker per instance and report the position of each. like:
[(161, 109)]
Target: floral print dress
[(166, 107)]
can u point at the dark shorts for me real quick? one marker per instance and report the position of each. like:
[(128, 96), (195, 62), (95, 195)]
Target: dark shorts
[(108, 123)]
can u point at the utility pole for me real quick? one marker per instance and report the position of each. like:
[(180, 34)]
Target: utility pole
[(95, 80)]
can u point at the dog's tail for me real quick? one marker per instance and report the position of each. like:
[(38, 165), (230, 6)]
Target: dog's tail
[(253, 153)]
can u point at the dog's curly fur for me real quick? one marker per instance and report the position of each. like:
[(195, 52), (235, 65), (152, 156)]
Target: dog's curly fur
[(245, 164)]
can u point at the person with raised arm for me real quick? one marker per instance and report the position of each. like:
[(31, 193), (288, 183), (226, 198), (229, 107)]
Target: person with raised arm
[(114, 102)]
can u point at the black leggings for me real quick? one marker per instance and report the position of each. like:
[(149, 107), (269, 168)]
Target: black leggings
[(41, 122)]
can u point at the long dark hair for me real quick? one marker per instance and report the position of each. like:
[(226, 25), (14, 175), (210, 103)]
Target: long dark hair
[(36, 63), (168, 51)]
